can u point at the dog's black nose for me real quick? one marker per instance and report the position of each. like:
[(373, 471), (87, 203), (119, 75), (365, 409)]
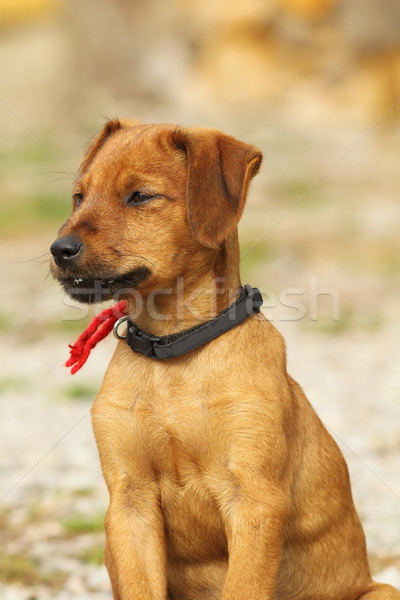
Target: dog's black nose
[(66, 249)]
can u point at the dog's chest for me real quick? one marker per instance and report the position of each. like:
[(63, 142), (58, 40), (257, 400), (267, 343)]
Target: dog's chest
[(174, 428), (160, 422), (178, 439)]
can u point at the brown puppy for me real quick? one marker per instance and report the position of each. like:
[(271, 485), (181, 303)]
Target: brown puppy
[(223, 482)]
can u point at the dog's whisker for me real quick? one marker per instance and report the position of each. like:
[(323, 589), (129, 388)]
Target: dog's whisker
[(53, 181), (40, 259), (66, 173), (48, 275)]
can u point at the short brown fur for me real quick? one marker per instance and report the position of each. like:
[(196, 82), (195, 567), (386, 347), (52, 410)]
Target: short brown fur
[(223, 482)]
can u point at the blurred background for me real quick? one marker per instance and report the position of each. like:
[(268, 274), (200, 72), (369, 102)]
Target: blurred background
[(316, 85)]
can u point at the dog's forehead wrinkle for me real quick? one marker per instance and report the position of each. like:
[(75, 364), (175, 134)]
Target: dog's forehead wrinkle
[(147, 145), (140, 156)]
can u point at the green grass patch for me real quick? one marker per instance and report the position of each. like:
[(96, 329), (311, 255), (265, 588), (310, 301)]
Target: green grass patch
[(49, 207), (84, 492), (4, 518), (28, 171), (24, 570), (253, 255), (11, 384), (40, 211), (390, 265), (80, 392), (71, 326), (349, 320), (292, 190), (94, 555), (7, 322), (78, 524), (32, 152)]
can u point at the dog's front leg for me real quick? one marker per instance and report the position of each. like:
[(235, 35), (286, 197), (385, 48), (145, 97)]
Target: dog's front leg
[(254, 522), (136, 556)]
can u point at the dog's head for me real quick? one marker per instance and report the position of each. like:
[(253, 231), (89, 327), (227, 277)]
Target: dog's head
[(149, 200)]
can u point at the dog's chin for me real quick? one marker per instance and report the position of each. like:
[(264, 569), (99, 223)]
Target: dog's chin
[(98, 289)]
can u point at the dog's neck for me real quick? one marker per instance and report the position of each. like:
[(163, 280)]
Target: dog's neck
[(198, 295)]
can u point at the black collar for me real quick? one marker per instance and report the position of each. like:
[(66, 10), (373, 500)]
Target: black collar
[(171, 346)]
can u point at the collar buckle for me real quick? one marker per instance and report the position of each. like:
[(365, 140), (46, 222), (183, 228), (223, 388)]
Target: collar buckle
[(140, 341), (255, 297)]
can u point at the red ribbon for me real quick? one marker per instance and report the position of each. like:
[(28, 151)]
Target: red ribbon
[(98, 329)]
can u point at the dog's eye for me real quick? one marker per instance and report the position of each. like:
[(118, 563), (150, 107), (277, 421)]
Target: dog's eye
[(139, 198), (78, 199)]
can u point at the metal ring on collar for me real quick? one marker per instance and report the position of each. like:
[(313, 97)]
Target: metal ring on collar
[(116, 327)]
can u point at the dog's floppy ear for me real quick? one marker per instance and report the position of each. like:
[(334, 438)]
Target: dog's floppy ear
[(98, 141), (219, 172)]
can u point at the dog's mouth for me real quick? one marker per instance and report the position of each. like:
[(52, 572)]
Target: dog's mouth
[(91, 290)]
